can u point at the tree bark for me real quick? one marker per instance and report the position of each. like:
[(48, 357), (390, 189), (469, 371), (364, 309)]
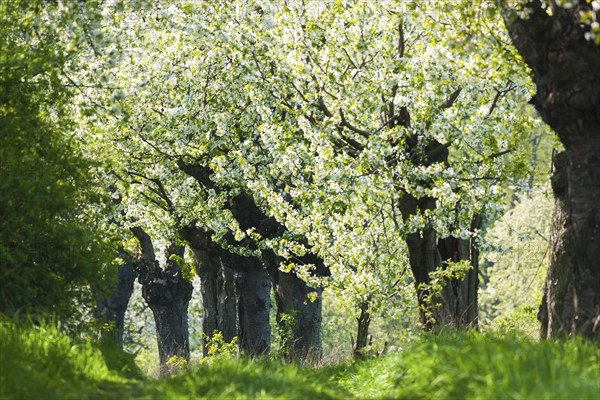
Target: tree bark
[(218, 286), (456, 305), (299, 319), (362, 333), (228, 319), (253, 294), (111, 310), (566, 71), (167, 294)]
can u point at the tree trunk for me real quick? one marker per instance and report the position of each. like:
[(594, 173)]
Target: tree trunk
[(298, 318), (227, 321), (217, 280), (460, 294), (571, 301), (236, 293), (111, 310), (211, 284), (168, 298), (167, 294), (566, 71), (362, 334), (456, 304), (253, 294)]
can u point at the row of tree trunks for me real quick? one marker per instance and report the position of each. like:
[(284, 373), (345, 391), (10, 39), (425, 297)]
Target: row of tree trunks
[(235, 292), (291, 293), (566, 71), (167, 294)]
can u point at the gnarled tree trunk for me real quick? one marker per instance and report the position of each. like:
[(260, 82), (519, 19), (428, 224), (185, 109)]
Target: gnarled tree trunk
[(167, 294), (217, 286), (566, 71), (456, 304)]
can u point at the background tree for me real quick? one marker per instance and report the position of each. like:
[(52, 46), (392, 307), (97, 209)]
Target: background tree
[(514, 264)]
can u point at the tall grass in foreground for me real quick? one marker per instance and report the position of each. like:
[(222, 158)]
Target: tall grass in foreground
[(484, 367), (42, 363)]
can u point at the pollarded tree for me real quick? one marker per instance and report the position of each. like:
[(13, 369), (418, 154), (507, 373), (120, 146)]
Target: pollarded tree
[(560, 43)]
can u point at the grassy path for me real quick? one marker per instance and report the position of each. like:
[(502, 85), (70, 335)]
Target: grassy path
[(42, 363)]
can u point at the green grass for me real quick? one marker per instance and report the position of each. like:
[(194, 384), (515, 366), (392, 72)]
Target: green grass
[(42, 363), (482, 367)]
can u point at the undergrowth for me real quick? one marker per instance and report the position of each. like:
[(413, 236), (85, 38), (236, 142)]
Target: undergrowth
[(42, 363)]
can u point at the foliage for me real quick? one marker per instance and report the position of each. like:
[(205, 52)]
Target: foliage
[(439, 279), (41, 362), (176, 364), (217, 346), (284, 334), (50, 246), (187, 268), (514, 266)]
